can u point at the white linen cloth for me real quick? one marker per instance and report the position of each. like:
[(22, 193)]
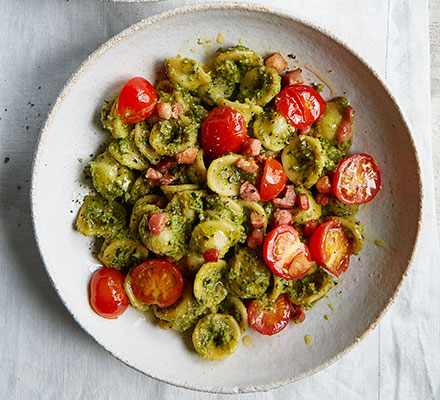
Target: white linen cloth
[(45, 355)]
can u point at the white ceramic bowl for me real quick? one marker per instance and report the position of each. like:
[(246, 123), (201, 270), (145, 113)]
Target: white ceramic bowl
[(73, 132)]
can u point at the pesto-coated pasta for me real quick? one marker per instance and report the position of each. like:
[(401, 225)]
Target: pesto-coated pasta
[(233, 306), (235, 62), (209, 288), (214, 234), (184, 313), (141, 138), (305, 291), (218, 89), (143, 206), (303, 160), (186, 73), (313, 213), (171, 190), (134, 301), (248, 277), (110, 178), (225, 178), (354, 230), (126, 152), (260, 85), (272, 129), (111, 120), (247, 108), (170, 242), (328, 124), (140, 188), (248, 207), (224, 208), (216, 336), (122, 254), (197, 170), (170, 137), (205, 208), (100, 217)]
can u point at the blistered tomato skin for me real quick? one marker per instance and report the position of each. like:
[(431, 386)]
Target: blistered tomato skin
[(269, 317), (224, 130), (301, 105), (357, 179), (137, 101), (107, 296), (157, 282)]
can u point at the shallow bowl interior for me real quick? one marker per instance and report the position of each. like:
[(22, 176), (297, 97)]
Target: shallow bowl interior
[(73, 133)]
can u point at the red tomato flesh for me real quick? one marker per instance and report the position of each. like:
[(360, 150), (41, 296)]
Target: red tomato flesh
[(273, 180), (137, 101), (224, 130), (301, 105), (269, 317), (285, 254), (157, 282), (357, 179), (107, 296), (331, 247)]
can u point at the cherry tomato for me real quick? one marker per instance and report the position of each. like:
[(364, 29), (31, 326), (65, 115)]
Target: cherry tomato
[(285, 254), (273, 180), (331, 247), (137, 101), (357, 179), (224, 130), (301, 105), (268, 316), (157, 282), (107, 296)]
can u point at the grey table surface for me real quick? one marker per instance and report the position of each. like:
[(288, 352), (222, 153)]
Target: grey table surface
[(53, 68)]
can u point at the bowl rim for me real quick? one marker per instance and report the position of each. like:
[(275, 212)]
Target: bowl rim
[(221, 6)]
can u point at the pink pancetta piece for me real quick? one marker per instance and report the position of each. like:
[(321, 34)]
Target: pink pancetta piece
[(249, 192), (282, 217), (187, 156), (251, 148), (288, 199), (293, 78), (157, 222), (257, 220), (249, 166), (255, 239), (277, 61)]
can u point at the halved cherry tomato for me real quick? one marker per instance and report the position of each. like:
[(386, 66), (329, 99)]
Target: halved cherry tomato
[(273, 180), (224, 130), (107, 296), (157, 282), (285, 254), (301, 105), (137, 101), (268, 316), (331, 247), (357, 179)]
